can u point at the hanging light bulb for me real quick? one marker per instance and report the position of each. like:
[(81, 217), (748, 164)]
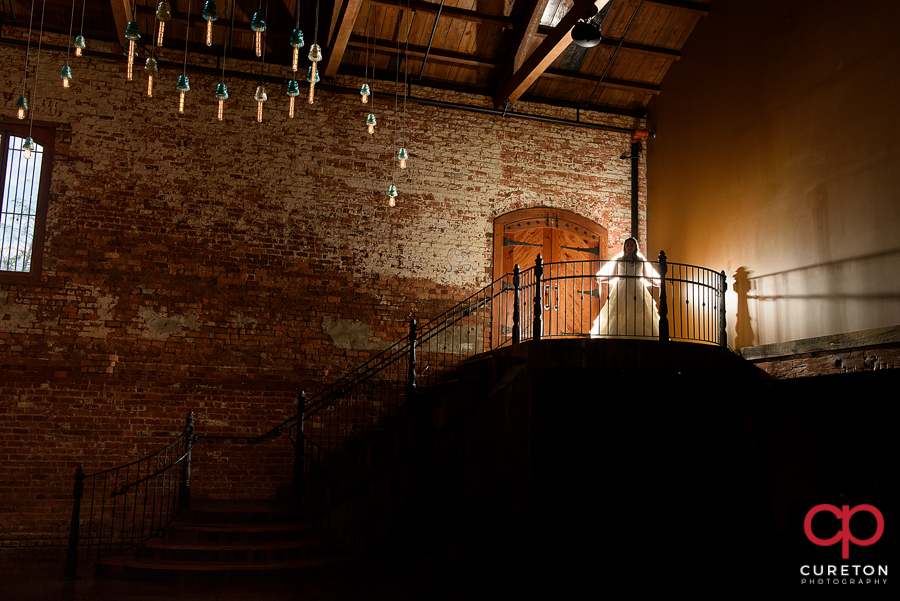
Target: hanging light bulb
[(80, 45), (293, 90), (392, 195), (258, 24), (210, 14), (312, 84), (364, 93), (163, 14), (66, 76), (151, 69), (296, 41), (21, 107), (182, 86), (402, 156), (133, 35), (315, 55), (370, 122), (222, 96), (27, 148), (260, 97)]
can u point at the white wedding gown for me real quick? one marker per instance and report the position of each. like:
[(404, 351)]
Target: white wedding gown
[(629, 310)]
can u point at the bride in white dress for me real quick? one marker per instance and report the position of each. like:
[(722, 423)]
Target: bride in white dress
[(626, 283)]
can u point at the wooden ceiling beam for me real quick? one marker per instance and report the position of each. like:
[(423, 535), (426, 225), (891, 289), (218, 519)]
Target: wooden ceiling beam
[(390, 46), (121, 10), (685, 5), (417, 6), (543, 56), (659, 51), (621, 84), (336, 47), (524, 36)]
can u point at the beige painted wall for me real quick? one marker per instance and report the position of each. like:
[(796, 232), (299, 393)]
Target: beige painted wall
[(778, 157)]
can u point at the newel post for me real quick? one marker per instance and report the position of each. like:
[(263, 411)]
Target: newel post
[(537, 326), (516, 329), (723, 335), (71, 569), (411, 374), (184, 495), (663, 299), (299, 449)]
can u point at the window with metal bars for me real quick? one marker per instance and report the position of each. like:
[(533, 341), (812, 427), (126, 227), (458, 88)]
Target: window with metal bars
[(26, 185)]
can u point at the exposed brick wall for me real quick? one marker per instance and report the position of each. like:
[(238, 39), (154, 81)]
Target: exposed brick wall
[(192, 265)]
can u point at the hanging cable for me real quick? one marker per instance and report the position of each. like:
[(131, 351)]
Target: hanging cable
[(28, 146)]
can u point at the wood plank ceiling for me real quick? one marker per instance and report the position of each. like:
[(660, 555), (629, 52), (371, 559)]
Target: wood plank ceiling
[(504, 49)]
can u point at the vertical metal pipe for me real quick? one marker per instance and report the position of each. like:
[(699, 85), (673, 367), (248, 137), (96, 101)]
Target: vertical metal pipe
[(71, 567), (537, 325), (635, 189)]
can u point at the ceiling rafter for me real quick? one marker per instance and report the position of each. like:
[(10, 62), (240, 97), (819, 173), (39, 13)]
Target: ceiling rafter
[(524, 36), (622, 84), (686, 5), (121, 10), (543, 56), (417, 6), (338, 44), (389, 46)]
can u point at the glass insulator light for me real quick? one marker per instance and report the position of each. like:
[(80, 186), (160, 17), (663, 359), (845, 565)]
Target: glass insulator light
[(364, 92), (258, 24), (315, 55), (163, 14), (182, 86), (221, 96), (392, 195), (66, 76), (210, 14), (80, 45), (151, 70), (293, 90), (27, 148), (296, 42), (21, 107), (371, 123), (260, 97), (402, 156), (133, 35)]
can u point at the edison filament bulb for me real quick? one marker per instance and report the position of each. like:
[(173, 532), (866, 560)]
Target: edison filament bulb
[(133, 35), (163, 14), (258, 25), (182, 86), (221, 96)]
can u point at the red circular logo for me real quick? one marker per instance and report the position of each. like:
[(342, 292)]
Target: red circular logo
[(844, 535)]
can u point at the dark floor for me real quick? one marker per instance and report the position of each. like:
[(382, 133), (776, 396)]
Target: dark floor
[(40, 580)]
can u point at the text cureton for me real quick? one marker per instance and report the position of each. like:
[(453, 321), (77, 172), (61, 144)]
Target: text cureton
[(843, 570)]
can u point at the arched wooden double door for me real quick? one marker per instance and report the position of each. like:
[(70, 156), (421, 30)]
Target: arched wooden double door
[(571, 247)]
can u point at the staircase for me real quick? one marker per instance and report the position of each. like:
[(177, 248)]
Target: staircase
[(229, 542)]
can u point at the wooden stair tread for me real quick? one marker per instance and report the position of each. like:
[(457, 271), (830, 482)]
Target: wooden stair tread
[(240, 527), (122, 561), (158, 543)]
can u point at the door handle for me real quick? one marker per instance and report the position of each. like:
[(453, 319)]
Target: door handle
[(546, 297)]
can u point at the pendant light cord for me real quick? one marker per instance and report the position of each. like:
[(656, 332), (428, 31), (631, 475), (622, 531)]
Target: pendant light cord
[(187, 38), (37, 64), (81, 29), (71, 24), (27, 48), (406, 70)]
